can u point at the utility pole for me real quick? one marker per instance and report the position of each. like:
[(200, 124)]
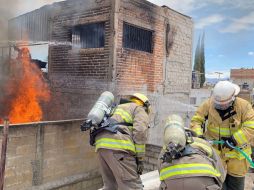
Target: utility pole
[(219, 74)]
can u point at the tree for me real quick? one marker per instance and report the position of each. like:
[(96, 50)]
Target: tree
[(197, 57), (199, 60)]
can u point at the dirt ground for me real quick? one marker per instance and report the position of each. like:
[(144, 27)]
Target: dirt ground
[(249, 182)]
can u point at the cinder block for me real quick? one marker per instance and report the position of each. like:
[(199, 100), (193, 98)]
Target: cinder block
[(25, 150)]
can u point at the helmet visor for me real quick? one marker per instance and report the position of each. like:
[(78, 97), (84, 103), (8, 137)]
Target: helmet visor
[(223, 105)]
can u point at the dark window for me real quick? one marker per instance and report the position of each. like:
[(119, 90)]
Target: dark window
[(89, 35), (245, 86), (137, 38)]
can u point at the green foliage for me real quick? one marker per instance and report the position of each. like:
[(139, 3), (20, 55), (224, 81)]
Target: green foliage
[(199, 60)]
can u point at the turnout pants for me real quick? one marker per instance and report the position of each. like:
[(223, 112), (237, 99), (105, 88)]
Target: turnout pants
[(233, 183), (190, 183), (119, 170)]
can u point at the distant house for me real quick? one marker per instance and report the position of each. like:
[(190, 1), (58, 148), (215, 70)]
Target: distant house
[(243, 77), (198, 96)]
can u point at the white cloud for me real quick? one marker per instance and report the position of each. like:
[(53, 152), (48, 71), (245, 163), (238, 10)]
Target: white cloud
[(244, 23), (212, 19), (185, 6), (221, 55), (251, 53), (241, 4), (218, 74)]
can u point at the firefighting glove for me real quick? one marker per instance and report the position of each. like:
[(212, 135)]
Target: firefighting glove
[(140, 165), (228, 142)]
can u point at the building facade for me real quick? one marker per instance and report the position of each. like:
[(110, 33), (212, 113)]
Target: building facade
[(243, 77), (118, 45)]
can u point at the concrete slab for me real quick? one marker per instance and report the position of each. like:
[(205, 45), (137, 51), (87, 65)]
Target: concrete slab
[(151, 180)]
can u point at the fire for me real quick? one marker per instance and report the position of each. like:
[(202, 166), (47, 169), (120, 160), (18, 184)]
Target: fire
[(31, 90)]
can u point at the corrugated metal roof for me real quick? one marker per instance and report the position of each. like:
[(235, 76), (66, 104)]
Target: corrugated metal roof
[(32, 26)]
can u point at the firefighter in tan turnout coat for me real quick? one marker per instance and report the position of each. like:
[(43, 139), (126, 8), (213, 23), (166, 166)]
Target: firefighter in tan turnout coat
[(231, 119), (121, 153), (186, 162)]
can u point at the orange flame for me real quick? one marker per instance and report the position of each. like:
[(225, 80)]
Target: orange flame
[(31, 91)]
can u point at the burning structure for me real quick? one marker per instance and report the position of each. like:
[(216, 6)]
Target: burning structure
[(23, 88), (121, 46), (117, 45)]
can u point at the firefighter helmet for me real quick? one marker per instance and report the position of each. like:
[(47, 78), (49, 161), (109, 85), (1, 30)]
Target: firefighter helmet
[(143, 99), (224, 94)]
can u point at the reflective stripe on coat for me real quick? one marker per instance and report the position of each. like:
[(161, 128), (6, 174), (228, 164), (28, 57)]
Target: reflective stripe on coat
[(205, 162), (240, 126), (134, 137)]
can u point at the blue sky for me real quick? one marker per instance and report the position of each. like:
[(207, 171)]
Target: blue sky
[(229, 31), (228, 26)]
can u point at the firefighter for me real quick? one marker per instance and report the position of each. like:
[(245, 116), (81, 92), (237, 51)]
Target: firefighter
[(231, 119), (187, 162), (121, 154)]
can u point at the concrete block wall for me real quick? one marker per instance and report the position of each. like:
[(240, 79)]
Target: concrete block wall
[(151, 158), (50, 155), (69, 104), (178, 62)]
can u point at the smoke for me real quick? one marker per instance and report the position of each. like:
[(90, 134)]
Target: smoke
[(7, 10), (163, 107), (13, 8)]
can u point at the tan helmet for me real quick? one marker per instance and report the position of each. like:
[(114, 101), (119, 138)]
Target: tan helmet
[(224, 94), (174, 131), (143, 99)]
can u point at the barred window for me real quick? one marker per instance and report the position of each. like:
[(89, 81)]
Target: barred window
[(89, 35), (137, 38)]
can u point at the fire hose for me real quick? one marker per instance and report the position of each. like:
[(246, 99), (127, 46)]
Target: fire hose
[(216, 142)]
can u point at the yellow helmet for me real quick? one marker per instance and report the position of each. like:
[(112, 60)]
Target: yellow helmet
[(143, 99), (140, 96)]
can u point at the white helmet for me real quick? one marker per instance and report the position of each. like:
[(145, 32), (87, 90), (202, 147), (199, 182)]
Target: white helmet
[(224, 94)]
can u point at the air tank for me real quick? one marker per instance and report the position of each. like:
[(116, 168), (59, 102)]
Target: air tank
[(101, 106), (174, 131)]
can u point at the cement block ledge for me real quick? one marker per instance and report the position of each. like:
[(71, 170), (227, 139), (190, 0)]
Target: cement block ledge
[(66, 181)]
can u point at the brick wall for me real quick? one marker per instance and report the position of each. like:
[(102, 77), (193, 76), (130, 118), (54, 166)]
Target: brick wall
[(168, 67), (242, 73), (79, 76), (70, 67), (50, 155), (241, 76), (132, 70), (164, 74), (139, 70), (69, 104)]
